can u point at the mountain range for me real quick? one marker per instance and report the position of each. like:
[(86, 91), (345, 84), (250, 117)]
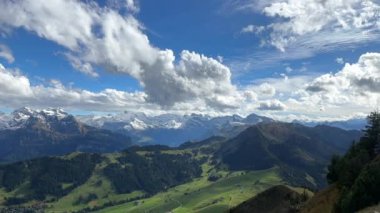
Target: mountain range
[(204, 176), (28, 133), (171, 129)]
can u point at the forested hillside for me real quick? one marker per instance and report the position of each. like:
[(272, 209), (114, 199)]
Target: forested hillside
[(357, 174)]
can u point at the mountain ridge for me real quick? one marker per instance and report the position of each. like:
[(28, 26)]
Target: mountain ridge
[(171, 129), (301, 149), (37, 133)]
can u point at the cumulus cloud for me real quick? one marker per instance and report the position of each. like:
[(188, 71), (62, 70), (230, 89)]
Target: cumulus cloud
[(274, 105), (16, 90), (267, 90), (196, 76), (20, 92), (20, 86), (6, 53), (360, 78), (353, 89), (96, 36), (250, 95), (347, 93)]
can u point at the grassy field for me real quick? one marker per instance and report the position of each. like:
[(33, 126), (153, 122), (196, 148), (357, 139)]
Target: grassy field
[(204, 196), (199, 195)]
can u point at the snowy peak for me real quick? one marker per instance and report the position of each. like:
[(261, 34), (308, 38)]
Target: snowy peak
[(25, 113), (27, 117), (111, 119), (136, 124), (58, 113), (22, 114), (140, 121)]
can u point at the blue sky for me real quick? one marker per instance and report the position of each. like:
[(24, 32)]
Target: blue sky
[(282, 58)]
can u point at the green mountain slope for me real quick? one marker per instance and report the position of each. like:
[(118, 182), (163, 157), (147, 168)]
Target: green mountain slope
[(302, 152), (201, 195), (209, 176)]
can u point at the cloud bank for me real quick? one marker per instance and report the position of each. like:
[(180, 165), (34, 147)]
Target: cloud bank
[(352, 91)]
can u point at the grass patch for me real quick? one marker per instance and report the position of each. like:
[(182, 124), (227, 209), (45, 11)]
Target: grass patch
[(201, 195)]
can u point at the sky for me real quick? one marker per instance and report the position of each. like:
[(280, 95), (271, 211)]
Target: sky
[(287, 59)]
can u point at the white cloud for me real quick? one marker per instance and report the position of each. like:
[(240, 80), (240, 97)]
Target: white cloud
[(273, 105), (284, 76), (356, 20), (65, 22), (16, 91), (288, 69), (97, 36), (339, 60), (6, 53), (360, 78), (353, 90), (250, 95), (350, 92), (302, 29), (132, 5), (253, 29), (13, 85), (82, 66), (244, 5), (266, 90)]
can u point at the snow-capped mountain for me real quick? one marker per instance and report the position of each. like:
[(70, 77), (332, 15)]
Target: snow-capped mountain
[(49, 118), (133, 121), (28, 133), (54, 120), (171, 129)]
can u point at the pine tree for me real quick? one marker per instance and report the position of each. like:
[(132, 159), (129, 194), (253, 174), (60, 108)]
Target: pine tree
[(372, 133)]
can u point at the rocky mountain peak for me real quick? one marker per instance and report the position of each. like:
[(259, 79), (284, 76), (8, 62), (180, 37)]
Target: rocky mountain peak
[(42, 118)]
